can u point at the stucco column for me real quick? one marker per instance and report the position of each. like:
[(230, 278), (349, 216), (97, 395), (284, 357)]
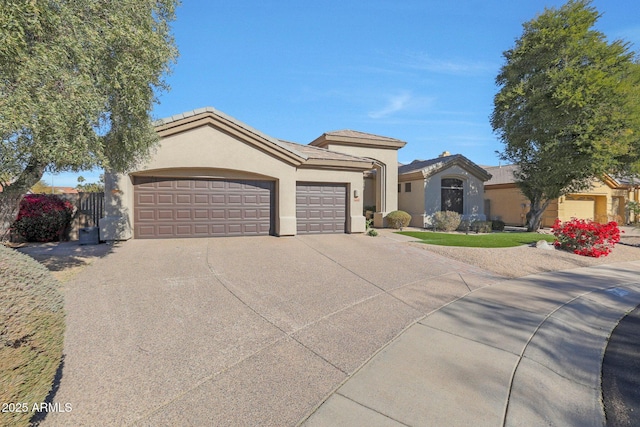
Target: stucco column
[(118, 208), (286, 199), (381, 196)]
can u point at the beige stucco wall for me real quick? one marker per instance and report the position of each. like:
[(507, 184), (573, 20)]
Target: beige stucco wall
[(608, 204), (473, 201), (506, 204), (205, 152), (413, 202), (387, 197)]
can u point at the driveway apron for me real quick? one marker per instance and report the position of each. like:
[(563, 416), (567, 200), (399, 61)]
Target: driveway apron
[(239, 331)]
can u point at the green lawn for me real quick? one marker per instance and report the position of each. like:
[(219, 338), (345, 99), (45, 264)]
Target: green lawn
[(490, 240)]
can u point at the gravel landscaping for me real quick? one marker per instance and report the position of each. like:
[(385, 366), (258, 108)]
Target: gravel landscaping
[(524, 260)]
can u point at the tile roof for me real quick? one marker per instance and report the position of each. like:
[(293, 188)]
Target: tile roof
[(432, 166), (358, 134), (246, 127), (501, 174), (312, 152)]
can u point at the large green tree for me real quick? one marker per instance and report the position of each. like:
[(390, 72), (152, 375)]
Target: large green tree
[(568, 106), (78, 80)]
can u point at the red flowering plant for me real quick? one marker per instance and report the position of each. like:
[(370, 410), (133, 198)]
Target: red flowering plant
[(43, 217), (586, 238)]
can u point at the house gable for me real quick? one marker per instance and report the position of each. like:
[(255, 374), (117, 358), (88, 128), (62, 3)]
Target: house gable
[(427, 176)]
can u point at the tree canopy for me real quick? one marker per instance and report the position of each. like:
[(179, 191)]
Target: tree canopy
[(568, 107), (78, 80)]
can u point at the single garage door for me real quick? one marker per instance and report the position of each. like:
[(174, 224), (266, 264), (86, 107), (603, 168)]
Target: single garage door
[(581, 207), (169, 207), (321, 208)]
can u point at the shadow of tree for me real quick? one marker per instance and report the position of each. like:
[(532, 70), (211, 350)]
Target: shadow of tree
[(39, 416), (60, 256)]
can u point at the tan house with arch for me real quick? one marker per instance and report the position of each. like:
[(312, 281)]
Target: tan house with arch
[(447, 183), (212, 175), (605, 201)]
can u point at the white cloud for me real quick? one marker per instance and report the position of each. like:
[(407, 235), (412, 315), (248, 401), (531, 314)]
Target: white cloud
[(404, 101), (423, 61)]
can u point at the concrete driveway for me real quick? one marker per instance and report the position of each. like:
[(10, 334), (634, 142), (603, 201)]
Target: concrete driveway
[(239, 331)]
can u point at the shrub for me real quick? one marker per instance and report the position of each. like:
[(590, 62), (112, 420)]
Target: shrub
[(497, 225), (482, 226), (42, 217), (372, 232), (634, 208), (398, 219), (32, 319), (586, 238), (446, 220)]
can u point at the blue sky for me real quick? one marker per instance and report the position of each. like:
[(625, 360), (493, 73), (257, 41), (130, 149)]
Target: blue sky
[(418, 70)]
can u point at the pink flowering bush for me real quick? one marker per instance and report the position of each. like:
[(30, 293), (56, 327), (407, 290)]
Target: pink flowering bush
[(586, 238), (42, 217)]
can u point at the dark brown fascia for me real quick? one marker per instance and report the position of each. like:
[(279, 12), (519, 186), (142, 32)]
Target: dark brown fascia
[(233, 129), (324, 140)]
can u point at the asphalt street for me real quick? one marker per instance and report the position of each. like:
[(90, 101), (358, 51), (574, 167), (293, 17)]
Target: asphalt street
[(621, 373)]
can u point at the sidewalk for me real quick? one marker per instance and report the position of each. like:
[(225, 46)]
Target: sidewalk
[(522, 352)]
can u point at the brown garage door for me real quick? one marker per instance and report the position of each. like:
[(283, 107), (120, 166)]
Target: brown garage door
[(321, 208), (168, 207)]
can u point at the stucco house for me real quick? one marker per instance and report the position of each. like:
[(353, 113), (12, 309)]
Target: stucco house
[(449, 182), (605, 201), (213, 175)]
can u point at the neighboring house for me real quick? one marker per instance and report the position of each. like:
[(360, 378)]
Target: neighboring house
[(605, 201), (212, 175), (447, 183), (65, 190)]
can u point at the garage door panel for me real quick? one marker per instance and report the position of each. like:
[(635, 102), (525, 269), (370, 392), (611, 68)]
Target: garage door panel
[(197, 208), (184, 214), (234, 199), (164, 214), (321, 208), (218, 199), (201, 214), (146, 214), (164, 199), (146, 199), (184, 230), (201, 199), (201, 229), (183, 199), (165, 230), (218, 214)]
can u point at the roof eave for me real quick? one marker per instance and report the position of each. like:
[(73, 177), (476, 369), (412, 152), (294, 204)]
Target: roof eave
[(209, 117), (324, 140), (351, 165)]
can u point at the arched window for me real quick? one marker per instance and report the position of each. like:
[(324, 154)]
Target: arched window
[(452, 193)]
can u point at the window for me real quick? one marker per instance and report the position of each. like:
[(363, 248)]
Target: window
[(399, 188), (407, 187), (452, 193)]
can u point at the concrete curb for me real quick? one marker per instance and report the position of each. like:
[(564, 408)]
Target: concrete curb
[(523, 352)]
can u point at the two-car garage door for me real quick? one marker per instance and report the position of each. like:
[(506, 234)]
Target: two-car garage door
[(169, 207), (175, 207)]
